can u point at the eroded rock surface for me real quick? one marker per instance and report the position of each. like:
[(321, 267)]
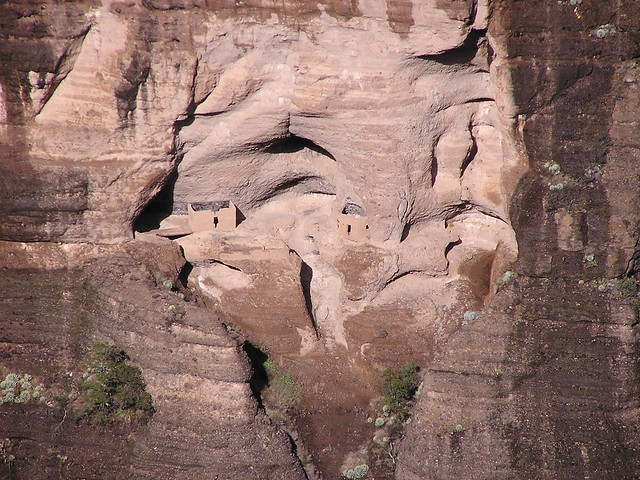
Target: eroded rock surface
[(544, 383), (404, 116), (61, 299)]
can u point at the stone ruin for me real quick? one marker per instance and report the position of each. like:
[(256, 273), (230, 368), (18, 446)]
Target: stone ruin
[(216, 215), (352, 223)]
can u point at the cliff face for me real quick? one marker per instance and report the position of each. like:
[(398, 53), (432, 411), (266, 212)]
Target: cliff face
[(545, 384), (60, 299), (123, 91), (390, 162)]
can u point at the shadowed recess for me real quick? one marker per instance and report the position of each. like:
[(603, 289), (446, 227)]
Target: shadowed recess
[(405, 232), (159, 208), (462, 55), (259, 379), (295, 144)]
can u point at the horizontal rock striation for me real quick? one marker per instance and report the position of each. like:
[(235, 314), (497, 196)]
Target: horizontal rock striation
[(60, 300)]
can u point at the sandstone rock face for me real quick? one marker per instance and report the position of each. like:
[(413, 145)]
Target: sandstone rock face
[(298, 103), (59, 300), (453, 150), (293, 113), (543, 384)]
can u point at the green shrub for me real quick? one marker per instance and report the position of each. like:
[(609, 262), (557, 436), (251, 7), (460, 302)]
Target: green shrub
[(399, 385), (276, 389), (590, 261), (507, 277), (628, 287), (458, 429), (282, 391), (111, 389)]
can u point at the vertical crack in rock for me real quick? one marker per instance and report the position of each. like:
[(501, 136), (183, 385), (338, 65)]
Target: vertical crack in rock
[(306, 276), (407, 228), (322, 287), (470, 155), (258, 382)]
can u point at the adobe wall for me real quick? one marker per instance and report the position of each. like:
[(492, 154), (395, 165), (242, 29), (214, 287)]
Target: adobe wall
[(207, 220), (353, 228)]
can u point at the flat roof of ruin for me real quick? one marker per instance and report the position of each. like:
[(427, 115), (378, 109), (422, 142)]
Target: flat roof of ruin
[(213, 206)]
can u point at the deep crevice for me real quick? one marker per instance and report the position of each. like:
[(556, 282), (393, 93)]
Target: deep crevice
[(306, 275), (470, 156), (183, 276), (479, 100), (212, 261), (259, 379), (185, 122), (405, 232), (434, 169), (299, 451), (258, 382), (450, 246), (401, 275)]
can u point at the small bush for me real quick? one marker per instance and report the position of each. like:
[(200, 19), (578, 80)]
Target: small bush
[(602, 285), (590, 261), (507, 277), (470, 316), (399, 385), (553, 167), (628, 287), (277, 390), (356, 473), (112, 389), (282, 391)]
